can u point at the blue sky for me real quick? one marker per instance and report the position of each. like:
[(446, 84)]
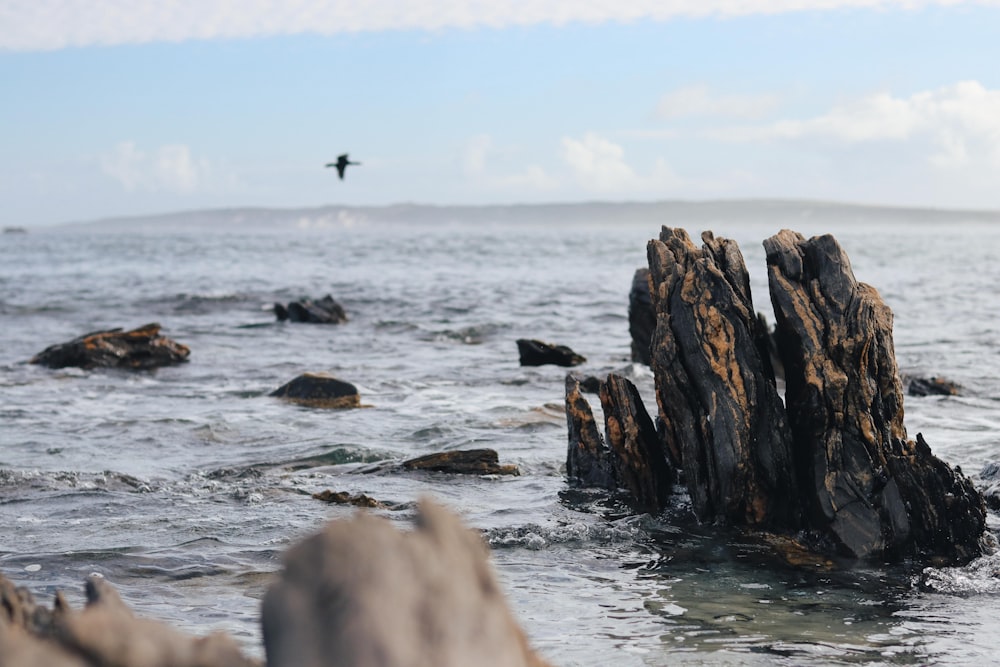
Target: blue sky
[(114, 107)]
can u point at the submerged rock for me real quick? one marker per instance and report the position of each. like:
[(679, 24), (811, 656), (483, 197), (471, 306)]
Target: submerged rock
[(324, 311), (345, 498), (140, 349), (463, 462), (319, 390), (103, 634), (538, 353), (363, 594), (933, 386)]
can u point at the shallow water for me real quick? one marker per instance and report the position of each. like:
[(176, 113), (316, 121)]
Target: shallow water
[(184, 485)]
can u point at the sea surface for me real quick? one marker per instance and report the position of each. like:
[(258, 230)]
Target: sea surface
[(183, 486)]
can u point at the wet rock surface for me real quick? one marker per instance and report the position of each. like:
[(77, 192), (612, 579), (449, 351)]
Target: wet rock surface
[(641, 317), (462, 462), (323, 311), (142, 348), (932, 386), (319, 390), (538, 353)]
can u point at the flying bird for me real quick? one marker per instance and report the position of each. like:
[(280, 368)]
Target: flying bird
[(341, 164)]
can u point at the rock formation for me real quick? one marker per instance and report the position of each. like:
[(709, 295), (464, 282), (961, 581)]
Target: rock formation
[(641, 318), (363, 594), (140, 349), (834, 464), (864, 484), (318, 390), (323, 311), (538, 353), (718, 404), (631, 457)]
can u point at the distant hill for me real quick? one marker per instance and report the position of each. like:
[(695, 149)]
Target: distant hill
[(699, 214)]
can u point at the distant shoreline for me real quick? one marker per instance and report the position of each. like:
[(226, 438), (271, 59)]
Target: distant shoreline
[(667, 212)]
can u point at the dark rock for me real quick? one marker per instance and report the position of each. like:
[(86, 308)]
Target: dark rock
[(363, 594), (874, 493), (345, 498), (588, 459), (933, 386), (324, 311), (105, 633), (719, 407), (537, 353), (318, 390), (140, 349), (640, 464), (990, 474), (630, 458), (463, 462), (641, 317)]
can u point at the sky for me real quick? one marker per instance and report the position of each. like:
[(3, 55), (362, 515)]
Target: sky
[(133, 107)]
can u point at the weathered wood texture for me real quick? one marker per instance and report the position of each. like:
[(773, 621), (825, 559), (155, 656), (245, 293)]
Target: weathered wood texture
[(865, 486), (139, 349), (718, 403), (630, 457)]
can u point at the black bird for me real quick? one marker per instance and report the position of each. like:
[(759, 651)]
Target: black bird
[(341, 164)]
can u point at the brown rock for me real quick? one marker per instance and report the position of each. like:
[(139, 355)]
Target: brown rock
[(462, 461), (140, 349)]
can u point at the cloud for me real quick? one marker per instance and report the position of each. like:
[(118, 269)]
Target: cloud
[(170, 168), (700, 101), (34, 25), (957, 125), (598, 163)]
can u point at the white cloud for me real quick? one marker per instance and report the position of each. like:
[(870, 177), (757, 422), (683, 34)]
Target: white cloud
[(700, 101), (55, 24), (598, 163), (170, 168), (957, 125)]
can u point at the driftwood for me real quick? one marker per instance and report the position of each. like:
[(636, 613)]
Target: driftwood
[(140, 349), (832, 463)]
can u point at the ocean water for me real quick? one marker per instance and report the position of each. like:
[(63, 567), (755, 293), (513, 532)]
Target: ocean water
[(184, 485)]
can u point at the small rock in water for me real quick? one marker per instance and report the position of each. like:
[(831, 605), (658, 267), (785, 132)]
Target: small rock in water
[(462, 461), (324, 311), (319, 390), (933, 386), (538, 353), (140, 349), (345, 498)]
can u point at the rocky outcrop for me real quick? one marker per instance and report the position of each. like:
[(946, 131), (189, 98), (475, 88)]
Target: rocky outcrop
[(833, 462), (875, 493), (538, 353), (718, 404), (932, 386), (363, 594), (139, 349), (319, 390), (323, 311), (629, 457), (105, 633), (641, 318)]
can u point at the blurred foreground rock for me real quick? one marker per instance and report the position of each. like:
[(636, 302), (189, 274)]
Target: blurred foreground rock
[(140, 349), (104, 634), (323, 311), (363, 594)]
